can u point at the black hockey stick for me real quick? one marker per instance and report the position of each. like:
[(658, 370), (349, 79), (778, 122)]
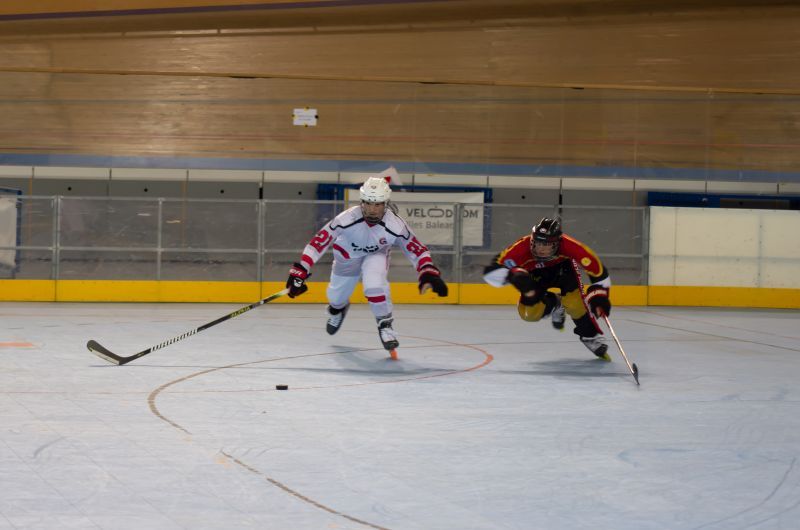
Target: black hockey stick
[(107, 355), (560, 198), (631, 366)]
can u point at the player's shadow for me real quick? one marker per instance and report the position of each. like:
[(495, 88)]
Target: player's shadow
[(368, 362), (378, 362), (572, 368)]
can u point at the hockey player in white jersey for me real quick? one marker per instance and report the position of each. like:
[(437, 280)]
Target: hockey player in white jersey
[(361, 238)]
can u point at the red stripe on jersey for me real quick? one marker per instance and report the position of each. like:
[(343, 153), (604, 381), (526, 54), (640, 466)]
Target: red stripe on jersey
[(577, 272), (308, 261), (376, 299), (424, 261), (341, 251)]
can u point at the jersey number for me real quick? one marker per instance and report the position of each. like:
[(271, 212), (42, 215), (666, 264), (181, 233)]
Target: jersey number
[(321, 240), (415, 247)]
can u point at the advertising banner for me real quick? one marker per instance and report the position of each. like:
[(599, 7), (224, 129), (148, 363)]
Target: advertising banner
[(431, 215)]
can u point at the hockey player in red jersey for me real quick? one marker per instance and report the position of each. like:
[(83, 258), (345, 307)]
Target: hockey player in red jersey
[(361, 238), (550, 259)]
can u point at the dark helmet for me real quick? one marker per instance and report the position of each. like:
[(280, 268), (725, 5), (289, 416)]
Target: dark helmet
[(547, 231)]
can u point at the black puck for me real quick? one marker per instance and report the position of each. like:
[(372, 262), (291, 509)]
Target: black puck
[(281, 387)]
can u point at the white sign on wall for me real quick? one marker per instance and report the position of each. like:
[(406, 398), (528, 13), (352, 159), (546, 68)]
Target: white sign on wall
[(305, 117), (8, 230), (431, 215)]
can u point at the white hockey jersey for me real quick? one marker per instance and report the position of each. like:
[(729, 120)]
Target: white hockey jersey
[(351, 237)]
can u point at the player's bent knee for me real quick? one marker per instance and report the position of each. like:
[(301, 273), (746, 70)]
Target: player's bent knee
[(531, 313), (573, 303)]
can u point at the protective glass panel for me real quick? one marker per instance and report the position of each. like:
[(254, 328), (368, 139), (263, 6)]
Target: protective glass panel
[(107, 265), (276, 265), (288, 227), (37, 226), (210, 225), (291, 224), (209, 266), (34, 265), (106, 222), (402, 271), (98, 237), (616, 234)]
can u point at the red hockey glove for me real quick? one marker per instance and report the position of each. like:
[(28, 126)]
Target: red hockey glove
[(597, 298), (297, 280), (430, 278)]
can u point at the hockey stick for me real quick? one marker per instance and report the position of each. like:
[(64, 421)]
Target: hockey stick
[(107, 355), (560, 198), (631, 366)]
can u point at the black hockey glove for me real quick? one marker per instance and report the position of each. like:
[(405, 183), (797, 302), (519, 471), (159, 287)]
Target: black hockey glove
[(597, 298), (521, 279), (430, 278), (297, 280)]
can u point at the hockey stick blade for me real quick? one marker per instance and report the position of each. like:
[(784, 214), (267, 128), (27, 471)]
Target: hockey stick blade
[(107, 355), (102, 352)]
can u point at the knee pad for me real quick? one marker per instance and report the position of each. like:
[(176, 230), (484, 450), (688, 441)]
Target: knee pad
[(573, 303), (531, 313)]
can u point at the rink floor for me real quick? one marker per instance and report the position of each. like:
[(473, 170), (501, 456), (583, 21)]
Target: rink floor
[(485, 422)]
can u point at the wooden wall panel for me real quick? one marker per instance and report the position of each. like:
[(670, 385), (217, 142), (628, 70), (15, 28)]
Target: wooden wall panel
[(25, 7), (752, 52), (224, 117), (704, 89)]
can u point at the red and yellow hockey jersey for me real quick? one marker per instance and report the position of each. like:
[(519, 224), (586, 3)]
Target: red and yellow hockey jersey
[(519, 254)]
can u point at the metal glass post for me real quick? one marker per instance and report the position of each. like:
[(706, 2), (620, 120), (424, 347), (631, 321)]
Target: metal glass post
[(646, 246), (260, 243), (159, 230), (56, 236), (458, 244)]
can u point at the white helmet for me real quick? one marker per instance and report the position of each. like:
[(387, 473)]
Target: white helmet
[(375, 189)]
